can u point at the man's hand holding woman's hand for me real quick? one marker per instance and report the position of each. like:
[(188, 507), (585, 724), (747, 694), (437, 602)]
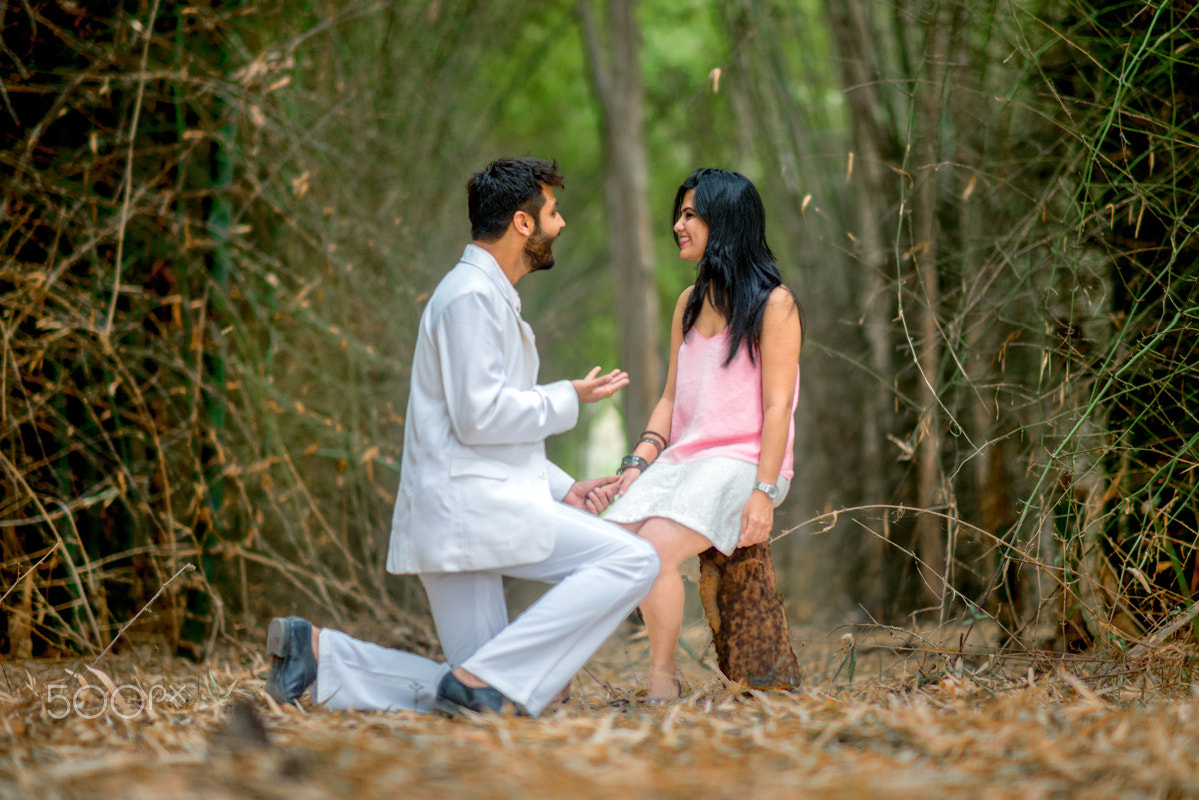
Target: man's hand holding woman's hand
[(593, 495), (596, 387)]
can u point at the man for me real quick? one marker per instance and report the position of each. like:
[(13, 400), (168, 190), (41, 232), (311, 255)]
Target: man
[(478, 499)]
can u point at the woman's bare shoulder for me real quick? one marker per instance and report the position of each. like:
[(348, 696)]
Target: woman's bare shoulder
[(781, 302), (681, 303)]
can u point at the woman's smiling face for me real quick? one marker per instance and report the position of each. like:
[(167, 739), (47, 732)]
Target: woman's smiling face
[(690, 231)]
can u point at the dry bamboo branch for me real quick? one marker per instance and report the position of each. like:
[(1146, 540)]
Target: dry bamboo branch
[(183, 569), (128, 188), (49, 553), (1165, 632), (66, 552), (78, 504)]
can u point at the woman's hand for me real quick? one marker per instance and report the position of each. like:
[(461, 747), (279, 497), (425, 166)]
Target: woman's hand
[(593, 495), (756, 519), (625, 480)]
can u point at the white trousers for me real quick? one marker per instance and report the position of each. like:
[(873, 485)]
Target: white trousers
[(601, 573)]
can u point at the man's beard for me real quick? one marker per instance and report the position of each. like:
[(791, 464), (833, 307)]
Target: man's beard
[(540, 250)]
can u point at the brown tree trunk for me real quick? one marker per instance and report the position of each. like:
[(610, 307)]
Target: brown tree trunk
[(871, 201), (931, 541), (616, 74), (750, 630)]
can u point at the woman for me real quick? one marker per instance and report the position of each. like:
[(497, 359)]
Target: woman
[(726, 409)]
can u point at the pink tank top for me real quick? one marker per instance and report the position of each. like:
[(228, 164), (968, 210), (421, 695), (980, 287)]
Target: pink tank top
[(718, 409)]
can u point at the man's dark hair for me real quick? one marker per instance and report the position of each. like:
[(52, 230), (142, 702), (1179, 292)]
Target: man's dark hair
[(504, 187)]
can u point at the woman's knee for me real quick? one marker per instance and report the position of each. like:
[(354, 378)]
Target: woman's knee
[(673, 543)]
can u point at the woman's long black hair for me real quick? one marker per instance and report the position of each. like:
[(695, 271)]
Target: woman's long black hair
[(737, 270)]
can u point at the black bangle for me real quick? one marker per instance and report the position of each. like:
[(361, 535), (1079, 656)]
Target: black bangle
[(655, 433), (657, 445), (630, 461)]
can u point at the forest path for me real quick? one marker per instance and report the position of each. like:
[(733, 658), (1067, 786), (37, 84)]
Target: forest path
[(924, 724)]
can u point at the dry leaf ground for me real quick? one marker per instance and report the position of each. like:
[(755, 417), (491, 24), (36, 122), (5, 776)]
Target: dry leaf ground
[(914, 722)]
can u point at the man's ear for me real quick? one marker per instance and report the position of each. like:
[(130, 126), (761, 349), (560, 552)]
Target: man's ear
[(524, 223)]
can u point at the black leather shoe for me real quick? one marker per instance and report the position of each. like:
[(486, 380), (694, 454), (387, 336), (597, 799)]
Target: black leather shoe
[(293, 666), (454, 697)]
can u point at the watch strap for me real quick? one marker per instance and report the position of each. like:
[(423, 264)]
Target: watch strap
[(771, 490)]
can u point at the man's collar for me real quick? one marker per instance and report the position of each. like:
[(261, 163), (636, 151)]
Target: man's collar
[(485, 261)]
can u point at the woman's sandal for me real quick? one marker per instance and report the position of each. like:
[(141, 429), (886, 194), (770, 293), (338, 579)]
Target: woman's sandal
[(680, 690)]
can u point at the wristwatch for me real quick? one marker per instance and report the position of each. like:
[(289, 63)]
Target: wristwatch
[(771, 490)]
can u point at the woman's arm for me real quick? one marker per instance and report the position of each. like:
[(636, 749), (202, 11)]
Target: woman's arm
[(779, 352)]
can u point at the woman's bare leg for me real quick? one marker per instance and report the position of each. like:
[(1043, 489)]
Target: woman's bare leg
[(662, 609)]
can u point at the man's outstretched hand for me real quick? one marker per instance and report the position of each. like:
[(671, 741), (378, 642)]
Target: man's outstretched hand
[(596, 387), (593, 495)]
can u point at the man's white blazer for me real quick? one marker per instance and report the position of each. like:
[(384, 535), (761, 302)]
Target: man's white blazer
[(476, 489)]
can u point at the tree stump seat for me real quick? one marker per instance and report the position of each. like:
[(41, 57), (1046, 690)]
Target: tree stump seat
[(750, 630)]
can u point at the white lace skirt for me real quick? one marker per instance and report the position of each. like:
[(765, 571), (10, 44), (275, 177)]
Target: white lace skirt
[(707, 496)]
